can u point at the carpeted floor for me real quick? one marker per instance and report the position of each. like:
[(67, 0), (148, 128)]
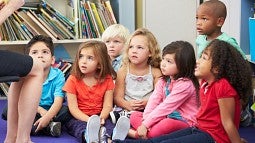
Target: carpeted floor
[(64, 138), (248, 133)]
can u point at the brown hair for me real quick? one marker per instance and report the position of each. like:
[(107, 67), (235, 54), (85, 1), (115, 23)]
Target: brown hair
[(100, 51)]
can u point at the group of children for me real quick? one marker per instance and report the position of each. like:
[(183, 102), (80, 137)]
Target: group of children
[(121, 86)]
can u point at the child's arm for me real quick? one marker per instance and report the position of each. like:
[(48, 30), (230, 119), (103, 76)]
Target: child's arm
[(227, 111), (52, 112), (156, 72), (74, 109), (107, 105), (119, 90)]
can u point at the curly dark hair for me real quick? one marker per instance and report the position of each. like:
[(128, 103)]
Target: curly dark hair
[(231, 65)]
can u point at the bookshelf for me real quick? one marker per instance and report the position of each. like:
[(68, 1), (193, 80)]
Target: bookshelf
[(70, 11)]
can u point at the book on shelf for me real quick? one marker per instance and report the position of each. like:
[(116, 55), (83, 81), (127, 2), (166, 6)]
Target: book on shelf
[(36, 20), (89, 19)]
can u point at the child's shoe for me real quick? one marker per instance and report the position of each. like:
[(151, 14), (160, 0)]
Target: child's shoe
[(102, 135), (92, 130), (121, 129), (115, 115), (55, 129)]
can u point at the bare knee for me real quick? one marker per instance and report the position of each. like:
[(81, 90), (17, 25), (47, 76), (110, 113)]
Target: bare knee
[(37, 68)]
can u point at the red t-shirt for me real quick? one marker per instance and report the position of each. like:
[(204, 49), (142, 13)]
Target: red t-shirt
[(208, 117), (90, 99)]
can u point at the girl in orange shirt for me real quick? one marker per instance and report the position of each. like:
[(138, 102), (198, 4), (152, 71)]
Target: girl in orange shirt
[(89, 91)]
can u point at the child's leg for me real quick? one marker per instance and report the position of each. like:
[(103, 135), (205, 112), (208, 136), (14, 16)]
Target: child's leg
[(166, 126), (76, 128), (63, 115), (136, 118)]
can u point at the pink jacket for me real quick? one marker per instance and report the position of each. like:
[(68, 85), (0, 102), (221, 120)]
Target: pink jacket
[(182, 98)]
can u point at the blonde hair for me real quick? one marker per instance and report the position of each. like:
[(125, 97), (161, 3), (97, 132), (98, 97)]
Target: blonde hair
[(100, 51), (116, 30), (153, 46)]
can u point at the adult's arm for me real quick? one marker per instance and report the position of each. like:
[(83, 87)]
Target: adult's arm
[(9, 8)]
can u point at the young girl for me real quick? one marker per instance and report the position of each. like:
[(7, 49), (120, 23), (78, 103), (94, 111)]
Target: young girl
[(89, 92), (140, 71), (226, 83), (174, 102)]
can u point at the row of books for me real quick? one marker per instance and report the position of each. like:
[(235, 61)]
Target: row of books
[(35, 18), (95, 16), (64, 65)]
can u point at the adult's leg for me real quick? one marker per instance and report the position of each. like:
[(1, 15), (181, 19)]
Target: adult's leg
[(23, 96), (196, 136), (30, 95), (159, 139)]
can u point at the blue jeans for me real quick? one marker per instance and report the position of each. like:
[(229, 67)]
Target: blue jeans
[(188, 135)]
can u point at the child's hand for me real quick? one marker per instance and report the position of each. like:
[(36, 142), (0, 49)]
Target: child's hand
[(142, 131), (41, 123), (102, 122), (137, 104), (243, 140)]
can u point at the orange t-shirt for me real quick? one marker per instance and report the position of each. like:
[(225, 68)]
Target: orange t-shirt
[(90, 99)]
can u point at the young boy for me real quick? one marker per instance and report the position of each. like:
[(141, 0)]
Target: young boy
[(115, 38), (210, 17), (50, 112)]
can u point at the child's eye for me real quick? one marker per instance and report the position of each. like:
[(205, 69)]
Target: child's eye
[(90, 58), (33, 53), (46, 52), (204, 19), (140, 47), (116, 41)]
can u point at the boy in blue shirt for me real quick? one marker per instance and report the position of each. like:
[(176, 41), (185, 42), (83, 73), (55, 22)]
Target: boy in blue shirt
[(210, 17), (51, 112)]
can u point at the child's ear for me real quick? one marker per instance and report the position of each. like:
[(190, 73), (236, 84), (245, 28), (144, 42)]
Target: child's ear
[(220, 21), (53, 60)]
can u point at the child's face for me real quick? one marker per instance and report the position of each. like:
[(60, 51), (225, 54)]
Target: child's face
[(203, 67), (41, 51), (168, 65), (88, 62), (207, 21), (115, 46), (138, 50)]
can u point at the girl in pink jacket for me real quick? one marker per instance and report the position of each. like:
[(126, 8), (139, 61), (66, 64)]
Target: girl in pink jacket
[(174, 103)]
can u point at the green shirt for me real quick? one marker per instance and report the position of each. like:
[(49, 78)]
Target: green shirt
[(202, 43)]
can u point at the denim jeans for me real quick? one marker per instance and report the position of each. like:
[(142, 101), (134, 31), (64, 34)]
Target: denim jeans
[(188, 135)]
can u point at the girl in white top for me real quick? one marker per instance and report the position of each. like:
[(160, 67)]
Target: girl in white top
[(139, 73)]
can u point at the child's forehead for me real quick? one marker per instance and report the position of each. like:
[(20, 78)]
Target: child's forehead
[(205, 10)]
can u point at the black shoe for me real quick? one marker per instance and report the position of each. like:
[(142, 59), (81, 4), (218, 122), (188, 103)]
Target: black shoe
[(115, 115), (55, 129)]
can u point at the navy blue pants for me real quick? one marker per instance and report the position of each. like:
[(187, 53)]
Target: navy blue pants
[(76, 128), (188, 135)]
